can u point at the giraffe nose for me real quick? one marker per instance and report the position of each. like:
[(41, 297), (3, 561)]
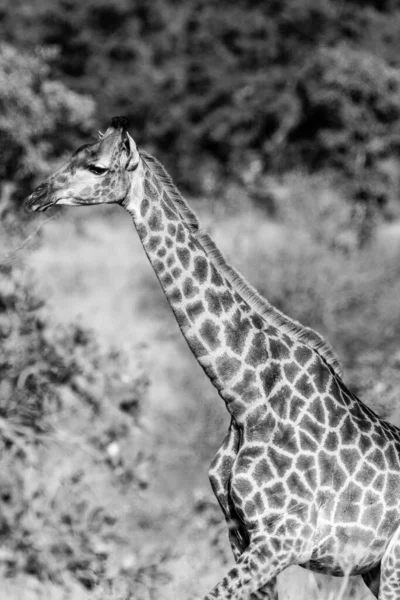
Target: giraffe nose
[(39, 199)]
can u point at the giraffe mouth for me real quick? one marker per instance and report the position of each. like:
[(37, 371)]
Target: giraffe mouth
[(41, 199)]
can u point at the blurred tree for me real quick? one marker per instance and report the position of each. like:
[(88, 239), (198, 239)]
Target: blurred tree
[(202, 80), (39, 116)]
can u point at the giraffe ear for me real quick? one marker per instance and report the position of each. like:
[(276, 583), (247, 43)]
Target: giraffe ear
[(132, 160)]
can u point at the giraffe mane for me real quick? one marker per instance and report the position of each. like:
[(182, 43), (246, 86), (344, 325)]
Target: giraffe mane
[(264, 309)]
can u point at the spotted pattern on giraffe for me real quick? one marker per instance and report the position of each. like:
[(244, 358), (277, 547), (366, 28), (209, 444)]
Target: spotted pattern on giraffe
[(307, 473)]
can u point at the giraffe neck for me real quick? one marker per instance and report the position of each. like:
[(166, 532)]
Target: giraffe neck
[(227, 337)]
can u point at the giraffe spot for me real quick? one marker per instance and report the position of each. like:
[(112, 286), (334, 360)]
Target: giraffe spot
[(285, 439), (144, 207), (189, 290), (317, 410), (86, 192), (303, 354), (200, 269), (277, 349), (153, 242), (184, 257), (347, 512), (246, 387), (216, 278), (313, 428), (242, 486), (175, 295), (166, 280), (332, 441), (348, 433), (258, 502), (326, 468), (379, 482), (280, 401), (256, 416), (297, 486), (291, 370), (386, 526), (226, 299), (194, 310), (209, 332), (392, 456), (213, 302), (161, 252), (275, 497), (158, 266), (236, 332), (365, 474), (250, 511), (281, 462), (176, 272), (61, 179), (226, 466), (372, 515), (181, 318), (270, 376), (392, 489), (262, 472), (180, 234), (170, 260), (227, 367), (155, 220), (304, 386), (142, 231), (258, 353), (350, 458), (257, 321), (171, 228), (296, 406), (307, 444)]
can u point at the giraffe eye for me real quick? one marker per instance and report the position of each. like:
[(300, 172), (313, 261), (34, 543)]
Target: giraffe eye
[(97, 170)]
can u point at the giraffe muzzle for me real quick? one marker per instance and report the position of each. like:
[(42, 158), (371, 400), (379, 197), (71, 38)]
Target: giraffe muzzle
[(40, 200)]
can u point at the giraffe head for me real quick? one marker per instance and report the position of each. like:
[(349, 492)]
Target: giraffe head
[(97, 173)]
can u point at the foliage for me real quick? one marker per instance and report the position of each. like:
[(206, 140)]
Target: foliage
[(292, 81), (39, 116), (68, 426)]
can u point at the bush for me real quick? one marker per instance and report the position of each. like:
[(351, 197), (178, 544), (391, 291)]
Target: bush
[(70, 441), (39, 116)]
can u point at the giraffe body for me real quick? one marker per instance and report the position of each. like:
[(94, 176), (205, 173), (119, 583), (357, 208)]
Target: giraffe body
[(307, 474)]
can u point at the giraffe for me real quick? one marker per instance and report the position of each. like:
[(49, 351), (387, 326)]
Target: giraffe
[(307, 474)]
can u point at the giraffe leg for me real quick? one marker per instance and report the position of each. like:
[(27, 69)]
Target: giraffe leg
[(256, 568), (372, 578), (220, 474), (389, 588)]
